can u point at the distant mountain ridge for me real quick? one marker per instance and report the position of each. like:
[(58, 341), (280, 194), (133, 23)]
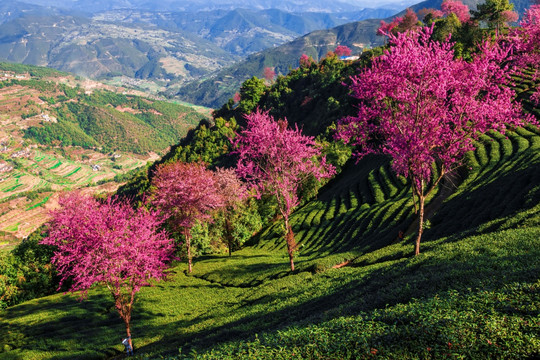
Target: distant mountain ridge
[(146, 49), (216, 90), (203, 5)]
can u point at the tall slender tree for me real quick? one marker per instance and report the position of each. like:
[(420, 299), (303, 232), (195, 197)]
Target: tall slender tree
[(424, 108), (234, 194), (186, 193), (276, 160), (111, 244)]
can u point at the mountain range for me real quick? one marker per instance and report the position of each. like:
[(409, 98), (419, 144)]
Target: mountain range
[(359, 35), (194, 51), (154, 46), (200, 5)]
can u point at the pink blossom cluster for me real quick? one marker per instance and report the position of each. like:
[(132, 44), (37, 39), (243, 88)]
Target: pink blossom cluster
[(526, 42), (457, 8), (275, 159), (231, 189), (420, 105), (186, 193), (386, 28), (107, 243), (342, 50)]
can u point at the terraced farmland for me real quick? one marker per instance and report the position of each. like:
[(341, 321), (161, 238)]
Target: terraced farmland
[(44, 173), (39, 128)]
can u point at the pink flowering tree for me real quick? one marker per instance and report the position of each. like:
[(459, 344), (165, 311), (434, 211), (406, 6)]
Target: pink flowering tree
[(342, 50), (305, 61), (386, 28), (409, 21), (269, 74), (457, 8), (424, 108), (509, 16), (430, 14), (186, 194), (526, 42), (237, 98), (108, 243), (234, 193), (276, 161)]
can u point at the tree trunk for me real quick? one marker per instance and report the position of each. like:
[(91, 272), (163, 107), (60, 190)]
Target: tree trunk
[(188, 245), (128, 331), (124, 307), (421, 201), (291, 243), (228, 229)]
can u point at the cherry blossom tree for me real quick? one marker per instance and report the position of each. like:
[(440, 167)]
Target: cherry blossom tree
[(234, 194), (276, 160), (305, 61), (424, 108), (458, 8), (108, 243), (269, 74), (409, 21), (430, 14), (386, 28), (526, 42), (509, 16), (186, 193), (342, 50)]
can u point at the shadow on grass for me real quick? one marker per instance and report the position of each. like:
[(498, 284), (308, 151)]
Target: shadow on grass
[(422, 277), (91, 329), (500, 199)]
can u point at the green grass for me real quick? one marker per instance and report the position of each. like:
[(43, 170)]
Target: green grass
[(57, 165), (41, 203), (13, 188), (73, 172), (473, 292), (13, 228)]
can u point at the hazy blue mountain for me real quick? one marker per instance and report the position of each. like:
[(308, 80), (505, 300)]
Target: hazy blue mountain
[(11, 9), (203, 5), (242, 31), (216, 90), (98, 49), (168, 48)]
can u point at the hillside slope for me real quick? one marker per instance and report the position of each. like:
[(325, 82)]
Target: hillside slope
[(357, 291), (481, 252)]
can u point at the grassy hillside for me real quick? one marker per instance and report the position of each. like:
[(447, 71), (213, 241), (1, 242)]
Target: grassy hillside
[(472, 292)]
